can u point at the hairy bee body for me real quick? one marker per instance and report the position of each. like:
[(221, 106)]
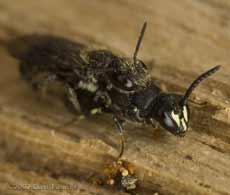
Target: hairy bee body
[(100, 81)]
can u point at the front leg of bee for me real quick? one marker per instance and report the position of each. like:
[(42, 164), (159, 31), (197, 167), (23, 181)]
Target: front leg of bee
[(119, 124)]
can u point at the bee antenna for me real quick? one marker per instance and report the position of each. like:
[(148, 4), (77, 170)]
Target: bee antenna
[(139, 42), (196, 82)]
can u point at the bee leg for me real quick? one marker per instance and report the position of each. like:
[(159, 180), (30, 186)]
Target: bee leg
[(119, 125), (104, 97), (72, 98), (73, 104), (154, 124), (42, 83)]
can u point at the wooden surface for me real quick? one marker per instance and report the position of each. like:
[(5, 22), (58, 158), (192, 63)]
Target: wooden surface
[(183, 39)]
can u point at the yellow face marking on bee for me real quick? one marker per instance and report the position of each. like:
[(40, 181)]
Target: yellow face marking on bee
[(176, 118), (185, 113), (184, 124), (180, 121)]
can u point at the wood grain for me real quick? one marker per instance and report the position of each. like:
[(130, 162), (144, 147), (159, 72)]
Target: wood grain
[(183, 39)]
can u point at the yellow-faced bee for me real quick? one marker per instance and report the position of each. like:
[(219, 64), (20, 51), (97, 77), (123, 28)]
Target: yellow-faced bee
[(100, 81)]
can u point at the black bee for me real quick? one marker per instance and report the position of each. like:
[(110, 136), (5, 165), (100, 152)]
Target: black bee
[(100, 81)]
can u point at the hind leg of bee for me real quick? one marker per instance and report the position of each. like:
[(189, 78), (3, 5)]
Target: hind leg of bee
[(42, 83), (72, 104), (81, 102), (72, 98), (119, 125)]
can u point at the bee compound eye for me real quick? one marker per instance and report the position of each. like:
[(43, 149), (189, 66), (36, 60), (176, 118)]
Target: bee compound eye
[(168, 121)]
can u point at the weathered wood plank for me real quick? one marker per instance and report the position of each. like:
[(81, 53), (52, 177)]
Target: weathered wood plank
[(183, 37)]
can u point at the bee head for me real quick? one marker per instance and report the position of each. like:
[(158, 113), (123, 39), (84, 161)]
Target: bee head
[(170, 114), (172, 111)]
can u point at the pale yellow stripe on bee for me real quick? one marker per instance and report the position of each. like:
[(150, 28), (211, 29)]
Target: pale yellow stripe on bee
[(176, 118), (185, 113)]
